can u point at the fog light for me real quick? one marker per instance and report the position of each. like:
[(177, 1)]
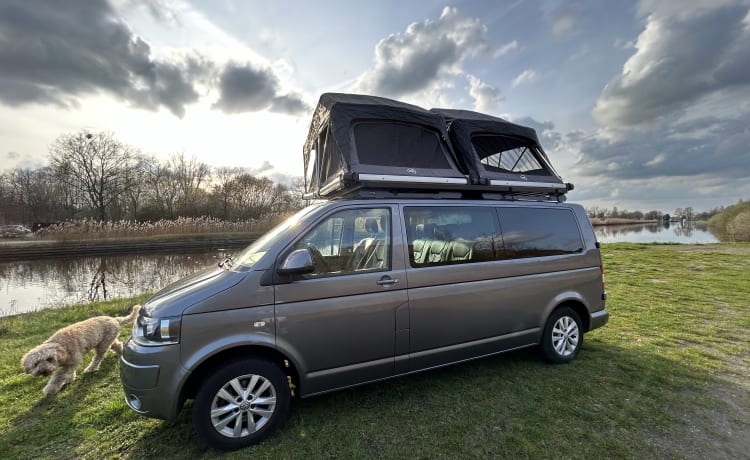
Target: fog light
[(135, 403)]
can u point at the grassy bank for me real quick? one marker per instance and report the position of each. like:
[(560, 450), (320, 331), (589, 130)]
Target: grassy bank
[(667, 378)]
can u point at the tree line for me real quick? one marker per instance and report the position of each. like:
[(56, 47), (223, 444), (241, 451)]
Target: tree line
[(732, 223), (687, 213), (94, 175)]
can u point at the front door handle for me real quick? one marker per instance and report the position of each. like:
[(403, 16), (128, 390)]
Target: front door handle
[(387, 281)]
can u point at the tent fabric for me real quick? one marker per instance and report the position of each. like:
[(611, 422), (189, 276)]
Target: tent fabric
[(495, 149), (354, 134)]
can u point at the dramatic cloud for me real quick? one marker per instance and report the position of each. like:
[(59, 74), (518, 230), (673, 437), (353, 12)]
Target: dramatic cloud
[(161, 10), (486, 98), (682, 148), (51, 53), (524, 77), (675, 121), (681, 58), (545, 130), (245, 88), (427, 54)]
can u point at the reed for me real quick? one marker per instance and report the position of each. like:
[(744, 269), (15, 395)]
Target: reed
[(97, 229)]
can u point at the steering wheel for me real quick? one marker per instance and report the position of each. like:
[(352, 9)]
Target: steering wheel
[(321, 266)]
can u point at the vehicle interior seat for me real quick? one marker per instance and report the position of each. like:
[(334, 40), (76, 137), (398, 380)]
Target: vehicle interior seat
[(363, 250), (421, 242), (459, 250), (436, 251)]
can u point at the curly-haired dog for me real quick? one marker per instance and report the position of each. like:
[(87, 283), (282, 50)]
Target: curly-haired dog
[(63, 352)]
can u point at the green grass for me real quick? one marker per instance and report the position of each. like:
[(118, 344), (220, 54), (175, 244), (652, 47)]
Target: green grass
[(666, 378)]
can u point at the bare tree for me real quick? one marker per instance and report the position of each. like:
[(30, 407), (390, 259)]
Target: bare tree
[(297, 192), (160, 185), (653, 215), (136, 186), (224, 187), (189, 176), (96, 164), (256, 197), (36, 191)]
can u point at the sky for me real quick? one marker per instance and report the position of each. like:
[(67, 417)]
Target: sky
[(642, 105)]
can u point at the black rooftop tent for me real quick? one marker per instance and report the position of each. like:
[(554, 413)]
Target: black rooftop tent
[(359, 141), (501, 154)]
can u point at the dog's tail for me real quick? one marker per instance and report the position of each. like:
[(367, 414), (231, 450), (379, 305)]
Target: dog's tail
[(131, 317)]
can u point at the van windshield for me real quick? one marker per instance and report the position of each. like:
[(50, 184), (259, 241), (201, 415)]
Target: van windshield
[(253, 253)]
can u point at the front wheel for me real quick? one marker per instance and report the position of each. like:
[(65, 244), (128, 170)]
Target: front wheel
[(563, 336), (241, 404)]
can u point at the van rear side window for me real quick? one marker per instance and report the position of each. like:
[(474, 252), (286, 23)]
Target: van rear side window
[(450, 235), (529, 232)]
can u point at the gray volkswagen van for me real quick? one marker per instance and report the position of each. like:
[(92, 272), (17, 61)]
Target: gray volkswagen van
[(391, 272)]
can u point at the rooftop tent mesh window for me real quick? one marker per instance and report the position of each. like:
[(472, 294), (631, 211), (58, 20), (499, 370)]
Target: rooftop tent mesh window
[(330, 158), (506, 154), (311, 169), (399, 145), (324, 161)]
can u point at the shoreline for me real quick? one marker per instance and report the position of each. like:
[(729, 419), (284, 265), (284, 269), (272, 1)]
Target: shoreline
[(596, 222), (23, 250)]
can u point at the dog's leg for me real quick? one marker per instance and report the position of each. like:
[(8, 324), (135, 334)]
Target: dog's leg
[(101, 352), (95, 362), (116, 347), (60, 378), (54, 384)]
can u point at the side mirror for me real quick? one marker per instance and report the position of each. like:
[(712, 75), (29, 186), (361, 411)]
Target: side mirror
[(298, 262)]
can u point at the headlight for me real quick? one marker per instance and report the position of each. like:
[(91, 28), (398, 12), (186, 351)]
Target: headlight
[(156, 331)]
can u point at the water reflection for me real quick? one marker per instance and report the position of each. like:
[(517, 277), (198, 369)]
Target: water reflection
[(32, 285), (673, 232)]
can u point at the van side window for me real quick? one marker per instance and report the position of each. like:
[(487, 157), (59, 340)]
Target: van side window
[(450, 235), (351, 241), (539, 232)]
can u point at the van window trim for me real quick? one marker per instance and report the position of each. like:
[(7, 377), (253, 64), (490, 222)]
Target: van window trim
[(580, 252), (408, 252), (290, 246)]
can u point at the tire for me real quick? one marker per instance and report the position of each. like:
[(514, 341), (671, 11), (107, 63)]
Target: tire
[(563, 336), (265, 402)]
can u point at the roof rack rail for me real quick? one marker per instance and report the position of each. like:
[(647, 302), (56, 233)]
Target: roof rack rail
[(466, 192)]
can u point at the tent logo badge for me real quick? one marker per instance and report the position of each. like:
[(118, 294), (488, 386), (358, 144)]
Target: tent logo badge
[(522, 177), (412, 171)]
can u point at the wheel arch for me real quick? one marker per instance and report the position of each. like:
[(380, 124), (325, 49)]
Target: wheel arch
[(202, 371), (579, 308), (574, 301)]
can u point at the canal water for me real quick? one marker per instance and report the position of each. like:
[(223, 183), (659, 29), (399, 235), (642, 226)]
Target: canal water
[(32, 285), (655, 233), (49, 283)]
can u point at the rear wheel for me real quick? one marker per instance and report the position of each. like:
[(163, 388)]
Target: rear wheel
[(241, 404), (563, 336)]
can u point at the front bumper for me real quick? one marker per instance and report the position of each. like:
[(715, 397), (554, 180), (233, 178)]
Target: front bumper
[(152, 378)]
